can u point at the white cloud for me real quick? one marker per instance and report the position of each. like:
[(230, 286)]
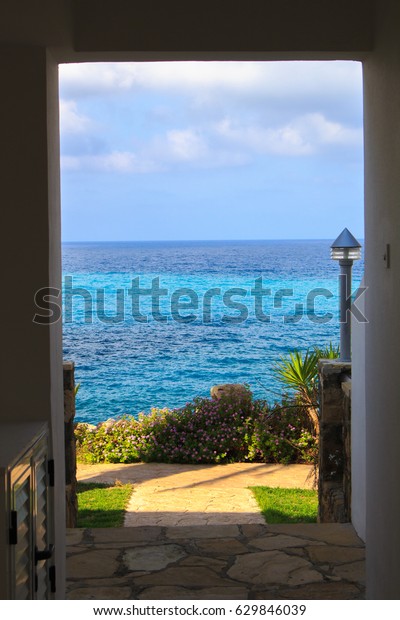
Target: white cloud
[(258, 140), (70, 162), (205, 114), (176, 147), (71, 121), (193, 148), (117, 161), (303, 136), (322, 131), (227, 143), (185, 145), (276, 80), (104, 78)]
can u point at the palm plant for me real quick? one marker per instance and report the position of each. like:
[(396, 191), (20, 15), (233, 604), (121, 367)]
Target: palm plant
[(328, 352), (300, 373)]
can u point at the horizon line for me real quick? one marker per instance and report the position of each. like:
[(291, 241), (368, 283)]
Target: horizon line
[(194, 240)]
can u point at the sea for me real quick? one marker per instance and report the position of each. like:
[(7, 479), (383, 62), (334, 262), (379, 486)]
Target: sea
[(155, 324)]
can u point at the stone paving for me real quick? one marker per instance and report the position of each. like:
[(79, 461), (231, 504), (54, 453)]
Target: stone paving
[(171, 494), (198, 536), (249, 561)]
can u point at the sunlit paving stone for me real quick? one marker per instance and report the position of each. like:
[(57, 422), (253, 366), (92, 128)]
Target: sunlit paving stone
[(172, 494), (207, 550), (221, 562)]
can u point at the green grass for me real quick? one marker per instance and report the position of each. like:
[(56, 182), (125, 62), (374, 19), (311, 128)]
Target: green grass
[(287, 505), (102, 505)]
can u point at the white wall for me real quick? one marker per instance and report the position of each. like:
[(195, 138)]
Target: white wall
[(313, 29), (31, 355), (382, 226), (358, 423)]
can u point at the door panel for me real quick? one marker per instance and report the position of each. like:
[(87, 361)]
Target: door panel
[(22, 550)]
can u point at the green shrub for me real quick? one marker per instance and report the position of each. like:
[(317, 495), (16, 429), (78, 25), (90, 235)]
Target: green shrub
[(108, 442), (283, 435), (205, 430)]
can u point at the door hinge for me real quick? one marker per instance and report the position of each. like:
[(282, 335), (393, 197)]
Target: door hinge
[(50, 471), (44, 554), (52, 578), (13, 532)]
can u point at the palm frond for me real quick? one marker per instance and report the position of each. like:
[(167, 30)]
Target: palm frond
[(298, 372), (329, 351)]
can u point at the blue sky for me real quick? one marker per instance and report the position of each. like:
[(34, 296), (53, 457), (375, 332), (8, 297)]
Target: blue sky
[(200, 150)]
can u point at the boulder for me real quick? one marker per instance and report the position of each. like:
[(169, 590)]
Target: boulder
[(236, 391), (85, 425), (107, 424)]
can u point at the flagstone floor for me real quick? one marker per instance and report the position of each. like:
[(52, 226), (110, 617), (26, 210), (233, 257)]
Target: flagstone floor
[(198, 535), (250, 561)]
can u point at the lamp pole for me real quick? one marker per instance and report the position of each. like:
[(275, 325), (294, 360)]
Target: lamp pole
[(345, 303), (345, 249)]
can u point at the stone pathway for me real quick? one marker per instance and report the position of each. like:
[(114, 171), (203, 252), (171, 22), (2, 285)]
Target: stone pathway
[(253, 561), (169, 495), (198, 535)]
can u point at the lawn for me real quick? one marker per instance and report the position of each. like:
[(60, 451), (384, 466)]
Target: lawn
[(102, 505), (287, 505)]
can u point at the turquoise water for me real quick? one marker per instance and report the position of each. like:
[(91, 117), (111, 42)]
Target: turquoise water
[(198, 319)]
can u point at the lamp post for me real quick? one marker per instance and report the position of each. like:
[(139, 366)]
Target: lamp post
[(345, 249)]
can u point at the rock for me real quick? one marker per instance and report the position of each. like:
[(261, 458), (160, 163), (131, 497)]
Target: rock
[(97, 563), (179, 593), (273, 567), (184, 577), (236, 391), (152, 558), (85, 426), (107, 424)]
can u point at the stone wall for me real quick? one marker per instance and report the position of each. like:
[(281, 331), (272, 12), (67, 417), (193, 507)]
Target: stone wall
[(334, 487), (70, 448)]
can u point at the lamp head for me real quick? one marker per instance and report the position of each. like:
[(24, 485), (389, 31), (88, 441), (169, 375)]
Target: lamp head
[(346, 247)]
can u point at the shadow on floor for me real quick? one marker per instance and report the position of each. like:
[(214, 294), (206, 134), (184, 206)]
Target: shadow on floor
[(253, 561)]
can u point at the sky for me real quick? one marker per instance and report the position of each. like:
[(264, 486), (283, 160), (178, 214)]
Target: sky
[(211, 150)]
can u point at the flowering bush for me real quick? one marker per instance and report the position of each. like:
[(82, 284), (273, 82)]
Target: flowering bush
[(108, 442), (283, 435), (233, 429), (203, 431)]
